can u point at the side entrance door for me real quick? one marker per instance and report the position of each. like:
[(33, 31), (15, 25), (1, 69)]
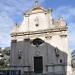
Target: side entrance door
[(38, 64)]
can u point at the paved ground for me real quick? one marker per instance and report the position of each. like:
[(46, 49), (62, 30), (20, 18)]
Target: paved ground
[(73, 71)]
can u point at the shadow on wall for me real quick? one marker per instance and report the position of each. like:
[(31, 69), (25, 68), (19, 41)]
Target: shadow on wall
[(23, 52)]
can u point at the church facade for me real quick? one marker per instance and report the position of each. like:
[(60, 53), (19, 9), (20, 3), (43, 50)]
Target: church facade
[(40, 44)]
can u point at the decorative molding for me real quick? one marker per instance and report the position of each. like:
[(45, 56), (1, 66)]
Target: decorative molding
[(14, 41), (48, 37), (63, 35), (37, 53), (27, 39), (39, 32)]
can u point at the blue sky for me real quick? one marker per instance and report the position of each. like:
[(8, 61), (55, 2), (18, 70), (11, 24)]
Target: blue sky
[(11, 12)]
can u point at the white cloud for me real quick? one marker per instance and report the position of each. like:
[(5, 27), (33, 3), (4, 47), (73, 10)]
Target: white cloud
[(9, 11), (6, 24), (4, 40), (64, 11), (72, 35), (11, 8)]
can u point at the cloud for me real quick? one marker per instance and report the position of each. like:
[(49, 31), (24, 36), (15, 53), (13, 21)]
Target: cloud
[(69, 15), (67, 12), (11, 12), (72, 36), (4, 40), (6, 24)]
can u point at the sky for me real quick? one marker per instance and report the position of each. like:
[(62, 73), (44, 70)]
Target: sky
[(11, 12)]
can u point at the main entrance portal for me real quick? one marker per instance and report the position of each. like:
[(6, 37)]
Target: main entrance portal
[(38, 64)]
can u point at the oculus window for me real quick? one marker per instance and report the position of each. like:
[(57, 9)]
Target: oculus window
[(37, 42)]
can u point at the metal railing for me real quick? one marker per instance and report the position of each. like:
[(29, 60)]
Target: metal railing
[(52, 73), (18, 72)]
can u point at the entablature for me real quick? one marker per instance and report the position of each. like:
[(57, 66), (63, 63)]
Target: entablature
[(39, 32)]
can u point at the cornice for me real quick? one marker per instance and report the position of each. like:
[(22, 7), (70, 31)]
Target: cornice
[(39, 32)]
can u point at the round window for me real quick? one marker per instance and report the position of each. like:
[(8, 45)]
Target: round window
[(37, 42)]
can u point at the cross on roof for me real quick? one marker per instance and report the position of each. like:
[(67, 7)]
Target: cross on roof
[(36, 2)]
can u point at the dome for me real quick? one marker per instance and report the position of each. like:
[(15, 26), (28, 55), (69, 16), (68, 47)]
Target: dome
[(36, 9)]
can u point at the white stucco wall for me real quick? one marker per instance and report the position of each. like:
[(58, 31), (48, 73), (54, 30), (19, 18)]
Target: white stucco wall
[(52, 39)]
